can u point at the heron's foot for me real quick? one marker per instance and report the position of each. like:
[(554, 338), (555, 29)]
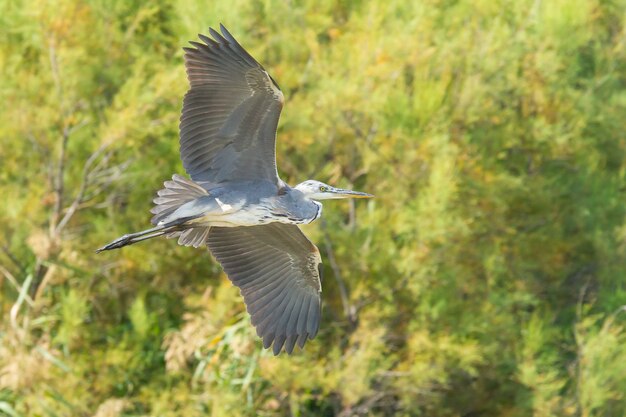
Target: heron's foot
[(116, 244)]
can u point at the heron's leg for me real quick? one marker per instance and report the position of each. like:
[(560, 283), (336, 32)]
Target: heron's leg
[(160, 230), (131, 238)]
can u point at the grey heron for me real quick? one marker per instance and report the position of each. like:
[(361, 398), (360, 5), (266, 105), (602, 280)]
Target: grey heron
[(235, 203)]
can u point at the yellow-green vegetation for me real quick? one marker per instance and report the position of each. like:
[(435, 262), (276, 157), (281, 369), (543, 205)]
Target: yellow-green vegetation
[(487, 278)]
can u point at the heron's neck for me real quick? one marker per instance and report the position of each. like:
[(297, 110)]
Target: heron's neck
[(319, 210)]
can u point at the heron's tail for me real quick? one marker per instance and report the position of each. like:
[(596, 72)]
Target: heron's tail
[(176, 193)]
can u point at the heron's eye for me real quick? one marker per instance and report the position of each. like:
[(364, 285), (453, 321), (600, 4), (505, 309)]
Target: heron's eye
[(323, 189)]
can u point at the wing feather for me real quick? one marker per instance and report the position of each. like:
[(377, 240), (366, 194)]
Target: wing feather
[(230, 113), (276, 268)]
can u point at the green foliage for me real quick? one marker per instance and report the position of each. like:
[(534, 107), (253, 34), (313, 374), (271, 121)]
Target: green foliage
[(486, 278), (73, 310), (600, 372)]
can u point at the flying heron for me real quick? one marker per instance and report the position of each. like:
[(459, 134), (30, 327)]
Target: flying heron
[(235, 203)]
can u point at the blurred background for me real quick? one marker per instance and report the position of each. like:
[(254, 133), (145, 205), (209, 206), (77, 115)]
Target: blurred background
[(488, 277)]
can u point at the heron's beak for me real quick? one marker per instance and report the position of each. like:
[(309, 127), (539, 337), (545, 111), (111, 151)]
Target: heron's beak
[(341, 193)]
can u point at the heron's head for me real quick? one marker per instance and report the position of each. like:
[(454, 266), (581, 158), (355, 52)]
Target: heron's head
[(316, 190)]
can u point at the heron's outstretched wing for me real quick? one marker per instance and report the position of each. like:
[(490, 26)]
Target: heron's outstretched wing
[(230, 113), (278, 271)]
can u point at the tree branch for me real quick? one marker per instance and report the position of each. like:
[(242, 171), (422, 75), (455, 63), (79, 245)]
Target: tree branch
[(348, 309), (78, 200)]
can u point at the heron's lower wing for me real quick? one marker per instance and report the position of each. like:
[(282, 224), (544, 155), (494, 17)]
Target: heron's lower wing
[(230, 113), (278, 271)]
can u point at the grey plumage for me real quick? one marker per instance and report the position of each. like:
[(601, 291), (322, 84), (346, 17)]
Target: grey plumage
[(176, 193), (235, 203), (276, 267), (230, 114)]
